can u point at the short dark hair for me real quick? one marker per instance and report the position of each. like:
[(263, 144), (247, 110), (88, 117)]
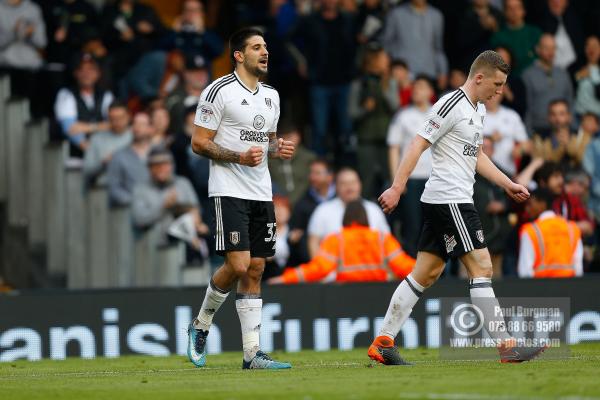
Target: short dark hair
[(118, 104), (237, 41), (559, 101), (426, 78), (323, 162), (546, 171), (489, 60), (355, 214), (399, 63), (543, 195), (346, 169)]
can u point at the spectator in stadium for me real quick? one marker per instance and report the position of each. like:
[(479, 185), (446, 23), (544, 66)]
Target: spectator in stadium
[(328, 44), (517, 36), (544, 83), (327, 217), (373, 101), (551, 246), (161, 121), (514, 89), (402, 130), (549, 175), (457, 78), (22, 39), (356, 254), (104, 144), (82, 110), (588, 79), (588, 126), (127, 166), (370, 20), (190, 35), (164, 197), (320, 190), (70, 24), (480, 21), (563, 146), (591, 165), (491, 205), (290, 177), (562, 21), (414, 33), (187, 92), (129, 29), (507, 132), (402, 76)]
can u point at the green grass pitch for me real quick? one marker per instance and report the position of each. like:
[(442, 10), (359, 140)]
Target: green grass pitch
[(315, 375)]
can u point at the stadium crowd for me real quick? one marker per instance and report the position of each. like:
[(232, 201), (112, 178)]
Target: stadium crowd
[(356, 79)]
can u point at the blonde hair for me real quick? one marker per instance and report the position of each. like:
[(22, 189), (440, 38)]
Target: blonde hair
[(490, 61)]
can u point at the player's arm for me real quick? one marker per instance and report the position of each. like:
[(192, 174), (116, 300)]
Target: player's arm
[(389, 199), (486, 168), (279, 148), (203, 143)]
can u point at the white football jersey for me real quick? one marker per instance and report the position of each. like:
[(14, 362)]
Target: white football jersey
[(454, 128), (242, 118)]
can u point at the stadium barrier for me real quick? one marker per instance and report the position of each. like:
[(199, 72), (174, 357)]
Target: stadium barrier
[(153, 321), (84, 241)]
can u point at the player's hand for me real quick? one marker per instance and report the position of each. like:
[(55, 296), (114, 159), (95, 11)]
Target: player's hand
[(389, 199), (518, 193), (286, 149), (253, 156)]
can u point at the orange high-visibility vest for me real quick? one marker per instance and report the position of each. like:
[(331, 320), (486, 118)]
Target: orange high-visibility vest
[(554, 242), (357, 254)]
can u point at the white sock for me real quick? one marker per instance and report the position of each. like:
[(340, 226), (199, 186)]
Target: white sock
[(403, 300), (482, 296), (213, 299), (249, 309)]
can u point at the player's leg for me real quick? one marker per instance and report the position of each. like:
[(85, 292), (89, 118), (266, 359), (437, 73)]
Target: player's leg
[(248, 298), (248, 303), (427, 270), (478, 263), (479, 266), (230, 224)]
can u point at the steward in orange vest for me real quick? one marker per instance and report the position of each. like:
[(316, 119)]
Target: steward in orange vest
[(357, 254), (551, 246)]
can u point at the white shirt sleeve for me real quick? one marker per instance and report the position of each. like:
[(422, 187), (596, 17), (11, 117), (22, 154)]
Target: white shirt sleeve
[(437, 126), (65, 106), (316, 224), (209, 113), (578, 259), (526, 257), (106, 102), (277, 113), (394, 134), (376, 217), (518, 128)]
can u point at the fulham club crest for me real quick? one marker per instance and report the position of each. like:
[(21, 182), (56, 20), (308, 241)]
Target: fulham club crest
[(268, 102), (234, 238), (479, 235)]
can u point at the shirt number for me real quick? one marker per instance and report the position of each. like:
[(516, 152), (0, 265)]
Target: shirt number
[(271, 227)]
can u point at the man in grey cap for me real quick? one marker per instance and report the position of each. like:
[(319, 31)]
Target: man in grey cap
[(166, 197)]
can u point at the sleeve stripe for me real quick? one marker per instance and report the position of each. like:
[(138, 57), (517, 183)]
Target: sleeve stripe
[(267, 86), (447, 103), (213, 91), (451, 106)]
